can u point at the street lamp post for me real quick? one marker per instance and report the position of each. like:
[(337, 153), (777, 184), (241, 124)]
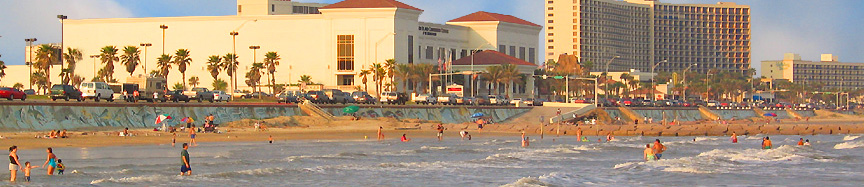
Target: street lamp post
[(234, 49), (94, 57), (62, 18), (684, 93), (474, 51), (163, 27), (30, 61), (653, 96), (145, 45), (606, 92), (707, 86)]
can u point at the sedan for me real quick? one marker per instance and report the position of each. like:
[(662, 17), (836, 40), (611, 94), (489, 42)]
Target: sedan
[(12, 93), (219, 96)]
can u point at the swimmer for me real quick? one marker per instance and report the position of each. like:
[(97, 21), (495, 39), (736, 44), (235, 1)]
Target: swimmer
[(807, 142), (766, 143), (648, 154), (734, 138), (609, 137), (463, 133), (524, 140), (658, 149), (585, 139), (405, 139), (271, 139), (800, 141)]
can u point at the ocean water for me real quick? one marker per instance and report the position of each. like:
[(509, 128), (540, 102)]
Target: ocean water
[(484, 161)]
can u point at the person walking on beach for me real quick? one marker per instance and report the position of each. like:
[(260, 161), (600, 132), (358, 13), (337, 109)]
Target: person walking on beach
[(14, 165), (659, 148), (648, 154), (184, 155), (192, 136), (380, 134), (173, 139), (440, 132), (51, 161), (766, 143)]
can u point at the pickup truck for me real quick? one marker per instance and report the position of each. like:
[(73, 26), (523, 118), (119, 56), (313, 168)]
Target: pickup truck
[(199, 94)]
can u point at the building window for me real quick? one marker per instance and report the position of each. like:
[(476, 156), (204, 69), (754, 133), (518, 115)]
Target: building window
[(551, 34), (452, 54), (522, 53), (550, 15), (502, 49), (345, 52), (532, 54), (239, 8), (550, 21), (346, 80), (272, 7), (513, 51), (429, 52), (550, 2), (550, 47), (463, 53), (550, 8), (550, 28), (410, 49)]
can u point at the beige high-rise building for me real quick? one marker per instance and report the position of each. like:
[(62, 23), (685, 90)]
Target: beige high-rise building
[(826, 74), (636, 34)]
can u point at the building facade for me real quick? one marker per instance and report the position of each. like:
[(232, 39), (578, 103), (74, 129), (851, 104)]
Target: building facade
[(332, 43), (636, 34), (828, 73)]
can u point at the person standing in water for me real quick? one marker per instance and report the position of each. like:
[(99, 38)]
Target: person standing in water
[(192, 136), (659, 148), (800, 141), (766, 143), (51, 161), (440, 132), (648, 154), (186, 168), (405, 139), (807, 142), (380, 134), (734, 138), (524, 140), (14, 165), (579, 133), (271, 139)]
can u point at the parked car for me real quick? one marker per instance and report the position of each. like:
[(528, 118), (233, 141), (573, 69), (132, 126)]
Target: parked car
[(177, 96), (200, 94), (362, 97), (317, 97), (241, 94), (96, 91), (447, 99), (539, 102), (289, 97), (424, 99), (529, 101), (12, 93), (30, 92), (497, 100), (515, 100), (65, 92), (219, 96), (463, 100), (481, 100), (394, 98), (256, 95), (336, 96)]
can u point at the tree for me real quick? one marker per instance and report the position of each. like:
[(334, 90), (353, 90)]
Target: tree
[(182, 60), (219, 84), (108, 57), (46, 57), (229, 64), (421, 74), (364, 75), (493, 75), (72, 56), (18, 85), (193, 81), (163, 64), (403, 72), (40, 80), (378, 75), (271, 60), (306, 79), (77, 80), (179, 86), (509, 76), (214, 66), (130, 58), (253, 77), (2, 69), (390, 68)]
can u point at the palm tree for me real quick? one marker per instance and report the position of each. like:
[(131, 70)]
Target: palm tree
[(72, 56), (17, 85), (390, 67), (253, 77), (3, 70), (421, 74), (182, 60), (163, 63), (403, 72), (271, 60), (77, 79), (306, 79), (229, 64), (493, 75), (378, 75), (509, 76), (130, 58), (214, 65), (364, 74), (219, 84), (40, 80), (108, 57), (193, 81), (45, 59)]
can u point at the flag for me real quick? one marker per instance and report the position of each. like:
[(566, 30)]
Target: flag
[(162, 118), (440, 66)]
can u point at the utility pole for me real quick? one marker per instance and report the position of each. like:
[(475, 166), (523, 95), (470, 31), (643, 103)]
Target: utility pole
[(145, 45), (163, 27), (30, 62)]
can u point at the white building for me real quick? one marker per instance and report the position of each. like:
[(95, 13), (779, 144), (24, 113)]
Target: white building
[(331, 43)]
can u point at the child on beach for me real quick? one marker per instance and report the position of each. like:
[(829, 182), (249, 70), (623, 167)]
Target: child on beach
[(60, 167), (173, 139), (27, 169)]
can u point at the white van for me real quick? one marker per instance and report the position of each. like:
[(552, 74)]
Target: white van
[(96, 91)]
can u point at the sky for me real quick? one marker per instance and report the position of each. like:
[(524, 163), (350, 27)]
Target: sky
[(806, 27)]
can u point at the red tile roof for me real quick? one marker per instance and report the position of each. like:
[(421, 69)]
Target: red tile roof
[(491, 57), (488, 16), (370, 4)]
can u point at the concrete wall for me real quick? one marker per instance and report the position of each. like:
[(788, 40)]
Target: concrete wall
[(444, 114), (694, 115)]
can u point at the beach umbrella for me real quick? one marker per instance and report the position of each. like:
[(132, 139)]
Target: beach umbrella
[(186, 119), (162, 118), (350, 109), (477, 115), (770, 114)]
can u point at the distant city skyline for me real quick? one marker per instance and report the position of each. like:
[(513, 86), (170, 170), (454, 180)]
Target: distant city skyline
[(805, 27)]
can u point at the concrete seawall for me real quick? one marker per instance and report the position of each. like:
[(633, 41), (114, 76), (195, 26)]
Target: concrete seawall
[(693, 114), (50, 116)]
